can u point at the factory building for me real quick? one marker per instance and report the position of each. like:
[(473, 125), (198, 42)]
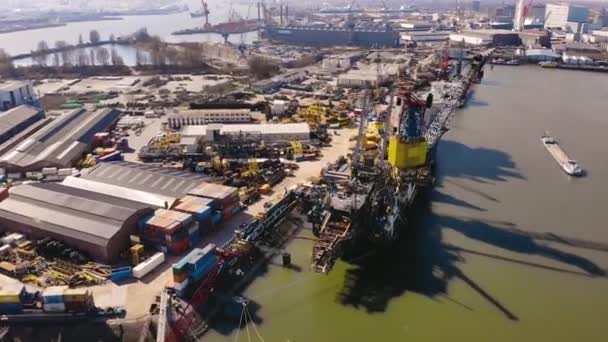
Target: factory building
[(422, 37), (414, 26), (206, 116), (61, 143), (16, 120), (368, 75), (15, 93), (268, 133), (487, 37), (377, 35), (96, 224), (150, 185), (565, 17)]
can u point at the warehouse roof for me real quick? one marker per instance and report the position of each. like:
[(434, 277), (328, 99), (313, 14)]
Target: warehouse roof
[(266, 128), (15, 116), (62, 141), (148, 198), (80, 215), (12, 85), (145, 178)]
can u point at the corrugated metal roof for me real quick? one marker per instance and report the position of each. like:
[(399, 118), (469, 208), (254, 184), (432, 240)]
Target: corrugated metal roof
[(82, 216), (62, 141), (148, 198), (161, 181), (15, 116)]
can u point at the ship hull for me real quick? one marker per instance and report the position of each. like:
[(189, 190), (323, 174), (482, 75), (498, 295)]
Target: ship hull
[(332, 36)]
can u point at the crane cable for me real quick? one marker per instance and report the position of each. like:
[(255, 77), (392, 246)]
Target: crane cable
[(238, 331), (253, 323)]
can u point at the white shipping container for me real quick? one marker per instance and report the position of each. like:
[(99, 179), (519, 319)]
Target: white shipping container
[(181, 286), (5, 249), (54, 307), (11, 238), (148, 265), (64, 172), (15, 175), (194, 228), (49, 171)]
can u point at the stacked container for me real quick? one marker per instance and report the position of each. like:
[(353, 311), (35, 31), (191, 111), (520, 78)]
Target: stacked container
[(167, 230), (193, 267), (52, 299), (226, 197), (78, 300), (11, 296)]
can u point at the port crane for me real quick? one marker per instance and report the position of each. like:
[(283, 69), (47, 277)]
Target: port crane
[(206, 13)]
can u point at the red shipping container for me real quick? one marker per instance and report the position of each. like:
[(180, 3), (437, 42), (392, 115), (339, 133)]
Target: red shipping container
[(3, 193)]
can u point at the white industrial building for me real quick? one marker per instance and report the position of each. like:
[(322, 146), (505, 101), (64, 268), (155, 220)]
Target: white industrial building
[(368, 75), (566, 17), (15, 93), (268, 133), (207, 116), (470, 39), (420, 37)]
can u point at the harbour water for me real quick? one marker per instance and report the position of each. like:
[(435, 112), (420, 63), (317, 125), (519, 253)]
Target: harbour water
[(161, 25), (507, 247)]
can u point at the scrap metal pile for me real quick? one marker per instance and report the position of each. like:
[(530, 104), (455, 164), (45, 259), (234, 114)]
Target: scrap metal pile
[(49, 262)]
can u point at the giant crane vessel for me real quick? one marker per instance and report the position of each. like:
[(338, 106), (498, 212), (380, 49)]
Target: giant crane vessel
[(371, 206)]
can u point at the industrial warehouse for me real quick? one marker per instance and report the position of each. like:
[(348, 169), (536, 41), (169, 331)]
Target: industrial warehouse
[(89, 221), (61, 142)]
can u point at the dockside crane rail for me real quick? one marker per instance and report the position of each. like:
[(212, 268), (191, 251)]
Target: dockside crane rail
[(438, 126)]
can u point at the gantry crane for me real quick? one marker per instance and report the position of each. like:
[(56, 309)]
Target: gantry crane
[(206, 13)]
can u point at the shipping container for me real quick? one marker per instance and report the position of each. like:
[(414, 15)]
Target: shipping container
[(11, 293), (194, 239), (121, 274), (148, 265), (47, 171), (53, 295), (143, 221), (3, 193), (110, 157), (76, 295), (180, 277), (11, 308), (217, 217), (181, 286), (12, 238), (184, 218), (53, 307), (5, 249), (194, 229), (64, 172)]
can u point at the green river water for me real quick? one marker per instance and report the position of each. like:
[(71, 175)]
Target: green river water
[(486, 262)]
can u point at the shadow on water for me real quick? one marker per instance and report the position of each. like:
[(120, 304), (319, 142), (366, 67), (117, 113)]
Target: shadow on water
[(479, 164), (421, 262)]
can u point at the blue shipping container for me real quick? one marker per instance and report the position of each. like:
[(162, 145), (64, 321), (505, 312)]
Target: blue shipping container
[(121, 274), (142, 222), (201, 271), (10, 308), (217, 217), (194, 239), (52, 299), (204, 215)]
